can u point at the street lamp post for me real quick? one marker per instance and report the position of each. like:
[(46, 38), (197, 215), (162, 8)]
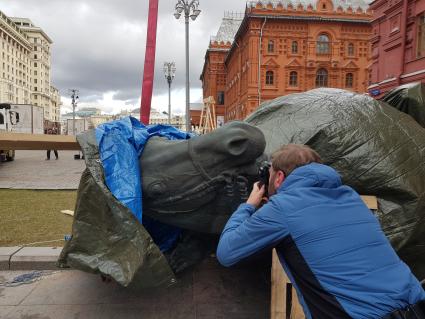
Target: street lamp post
[(74, 97), (190, 10), (169, 72)]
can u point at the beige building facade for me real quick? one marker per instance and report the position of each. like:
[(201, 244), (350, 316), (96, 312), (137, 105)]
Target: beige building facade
[(157, 117), (15, 63), (25, 66)]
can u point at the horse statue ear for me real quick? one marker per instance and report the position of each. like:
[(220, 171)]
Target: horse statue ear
[(237, 145)]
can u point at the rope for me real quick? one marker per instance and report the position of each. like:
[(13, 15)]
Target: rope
[(34, 276), (42, 242), (27, 278)]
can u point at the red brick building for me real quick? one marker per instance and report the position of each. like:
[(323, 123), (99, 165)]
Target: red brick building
[(398, 44), (284, 47), (214, 74)]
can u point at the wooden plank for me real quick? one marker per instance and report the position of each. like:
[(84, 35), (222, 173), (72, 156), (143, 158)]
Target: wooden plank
[(370, 201), (284, 299), (19, 141), (297, 311), (201, 122), (278, 293)]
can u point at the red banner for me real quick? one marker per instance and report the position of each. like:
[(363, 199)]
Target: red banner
[(149, 69)]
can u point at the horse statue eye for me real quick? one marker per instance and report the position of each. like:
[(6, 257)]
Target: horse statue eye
[(156, 189)]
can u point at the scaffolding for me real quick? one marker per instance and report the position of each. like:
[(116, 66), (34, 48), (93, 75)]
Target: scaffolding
[(208, 120)]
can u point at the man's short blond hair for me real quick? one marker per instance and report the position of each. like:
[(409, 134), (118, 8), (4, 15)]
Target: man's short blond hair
[(289, 157)]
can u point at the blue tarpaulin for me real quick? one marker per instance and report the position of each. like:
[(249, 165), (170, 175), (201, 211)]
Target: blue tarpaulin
[(120, 144)]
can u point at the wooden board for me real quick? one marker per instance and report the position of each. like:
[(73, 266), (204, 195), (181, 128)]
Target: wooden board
[(284, 300), (278, 293), (370, 201), (18, 141)]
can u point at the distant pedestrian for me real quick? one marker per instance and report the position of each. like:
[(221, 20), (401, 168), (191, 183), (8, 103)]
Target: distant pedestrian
[(52, 132)]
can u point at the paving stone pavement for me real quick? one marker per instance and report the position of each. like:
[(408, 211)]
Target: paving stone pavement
[(209, 291), (30, 170)]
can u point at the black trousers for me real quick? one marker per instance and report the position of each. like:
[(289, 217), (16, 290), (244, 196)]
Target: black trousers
[(416, 311), (55, 151)]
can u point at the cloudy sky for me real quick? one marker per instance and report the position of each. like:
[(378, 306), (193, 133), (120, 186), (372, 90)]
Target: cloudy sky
[(99, 47)]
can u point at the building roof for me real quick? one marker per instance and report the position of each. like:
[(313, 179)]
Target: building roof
[(155, 114), (27, 25), (15, 30), (225, 34), (345, 4), (228, 28), (86, 112), (196, 106)]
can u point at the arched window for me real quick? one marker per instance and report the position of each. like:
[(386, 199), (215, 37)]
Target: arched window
[(293, 78), (294, 47), (322, 78), (349, 78), (323, 44), (270, 46), (220, 97), (350, 49), (269, 77)]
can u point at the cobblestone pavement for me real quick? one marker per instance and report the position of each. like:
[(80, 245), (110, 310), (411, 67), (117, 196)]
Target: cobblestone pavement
[(210, 291), (31, 170)]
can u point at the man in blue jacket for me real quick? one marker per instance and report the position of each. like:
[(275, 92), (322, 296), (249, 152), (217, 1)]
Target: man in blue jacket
[(329, 243)]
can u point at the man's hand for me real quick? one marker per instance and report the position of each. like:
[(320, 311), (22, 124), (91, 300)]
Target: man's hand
[(256, 196)]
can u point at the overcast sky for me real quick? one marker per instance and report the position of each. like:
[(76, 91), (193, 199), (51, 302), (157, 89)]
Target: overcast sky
[(99, 47)]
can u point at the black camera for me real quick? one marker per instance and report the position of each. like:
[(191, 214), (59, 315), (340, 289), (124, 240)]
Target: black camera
[(264, 174)]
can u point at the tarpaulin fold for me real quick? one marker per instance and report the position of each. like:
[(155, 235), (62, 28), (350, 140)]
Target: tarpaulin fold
[(106, 237), (121, 143), (409, 99)]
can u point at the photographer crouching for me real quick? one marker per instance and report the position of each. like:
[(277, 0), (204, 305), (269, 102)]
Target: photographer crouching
[(329, 243)]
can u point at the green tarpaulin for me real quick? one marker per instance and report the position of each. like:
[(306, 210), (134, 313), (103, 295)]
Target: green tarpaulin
[(409, 99), (377, 149)]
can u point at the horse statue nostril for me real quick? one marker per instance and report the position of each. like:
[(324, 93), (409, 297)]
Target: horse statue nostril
[(229, 190), (242, 182)]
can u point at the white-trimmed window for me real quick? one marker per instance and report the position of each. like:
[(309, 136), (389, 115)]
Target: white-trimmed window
[(269, 77), (322, 78), (270, 46), (293, 78), (294, 47), (350, 49), (421, 36), (323, 44), (349, 80)]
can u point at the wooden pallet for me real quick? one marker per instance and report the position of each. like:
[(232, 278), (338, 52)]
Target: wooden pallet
[(284, 300)]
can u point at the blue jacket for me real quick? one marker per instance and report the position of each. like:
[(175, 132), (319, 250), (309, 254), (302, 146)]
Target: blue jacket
[(330, 245)]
